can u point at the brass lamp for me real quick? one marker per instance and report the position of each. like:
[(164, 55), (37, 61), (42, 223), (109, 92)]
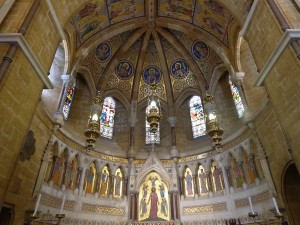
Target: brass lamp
[(93, 131), (213, 129), (154, 114)]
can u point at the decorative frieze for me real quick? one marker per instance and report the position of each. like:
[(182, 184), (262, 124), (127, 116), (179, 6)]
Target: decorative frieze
[(256, 199), (104, 210), (56, 202), (205, 209)]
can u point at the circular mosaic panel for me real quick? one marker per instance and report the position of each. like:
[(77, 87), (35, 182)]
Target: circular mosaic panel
[(200, 50), (151, 75), (124, 69), (179, 69), (103, 52)]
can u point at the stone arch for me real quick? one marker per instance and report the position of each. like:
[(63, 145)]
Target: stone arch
[(290, 189), (153, 164)]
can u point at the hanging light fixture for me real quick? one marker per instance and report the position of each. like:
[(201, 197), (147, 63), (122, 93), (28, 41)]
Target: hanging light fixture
[(154, 113), (213, 129), (93, 130)]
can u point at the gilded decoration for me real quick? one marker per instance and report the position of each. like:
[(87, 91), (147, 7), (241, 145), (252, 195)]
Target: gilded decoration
[(90, 19), (153, 199), (104, 210), (207, 15), (56, 202), (256, 199), (205, 209), (125, 9)]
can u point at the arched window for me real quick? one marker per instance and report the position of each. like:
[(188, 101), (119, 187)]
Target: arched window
[(107, 118), (197, 117), (236, 98), (150, 137), (68, 101)]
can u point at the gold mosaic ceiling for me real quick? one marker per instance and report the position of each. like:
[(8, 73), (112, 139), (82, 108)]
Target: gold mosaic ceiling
[(133, 42)]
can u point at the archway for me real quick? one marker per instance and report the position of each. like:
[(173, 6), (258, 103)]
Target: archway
[(291, 187)]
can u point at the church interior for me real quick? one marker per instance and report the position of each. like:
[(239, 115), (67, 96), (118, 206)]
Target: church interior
[(150, 112)]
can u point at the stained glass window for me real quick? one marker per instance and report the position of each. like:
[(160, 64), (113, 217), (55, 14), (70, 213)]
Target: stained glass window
[(107, 118), (197, 117), (68, 101), (237, 99), (150, 137)]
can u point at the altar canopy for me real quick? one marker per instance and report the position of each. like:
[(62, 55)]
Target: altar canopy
[(153, 200)]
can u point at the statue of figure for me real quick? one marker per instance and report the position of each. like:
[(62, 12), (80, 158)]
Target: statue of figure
[(154, 204), (104, 183), (189, 183)]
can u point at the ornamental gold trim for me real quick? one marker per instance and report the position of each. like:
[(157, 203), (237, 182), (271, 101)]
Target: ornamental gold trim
[(205, 209), (104, 210)]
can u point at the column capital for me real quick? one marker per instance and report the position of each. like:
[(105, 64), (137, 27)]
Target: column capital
[(132, 121), (240, 76), (172, 121), (65, 78)]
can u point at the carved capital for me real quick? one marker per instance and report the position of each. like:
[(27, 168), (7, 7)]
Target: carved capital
[(172, 121)]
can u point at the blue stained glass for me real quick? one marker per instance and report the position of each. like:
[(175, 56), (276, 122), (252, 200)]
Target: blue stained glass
[(68, 101), (150, 137), (107, 118), (237, 99), (197, 117)]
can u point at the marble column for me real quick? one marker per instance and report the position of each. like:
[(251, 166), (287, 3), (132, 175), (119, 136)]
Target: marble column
[(172, 122)]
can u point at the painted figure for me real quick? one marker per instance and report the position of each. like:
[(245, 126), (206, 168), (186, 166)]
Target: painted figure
[(238, 176), (217, 175), (103, 52), (200, 50), (153, 180), (56, 175), (104, 183), (124, 70), (152, 75), (164, 207), (179, 69), (189, 183), (71, 171), (154, 204), (89, 182), (118, 182), (145, 190), (143, 207), (214, 25), (203, 182), (162, 191), (251, 170)]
